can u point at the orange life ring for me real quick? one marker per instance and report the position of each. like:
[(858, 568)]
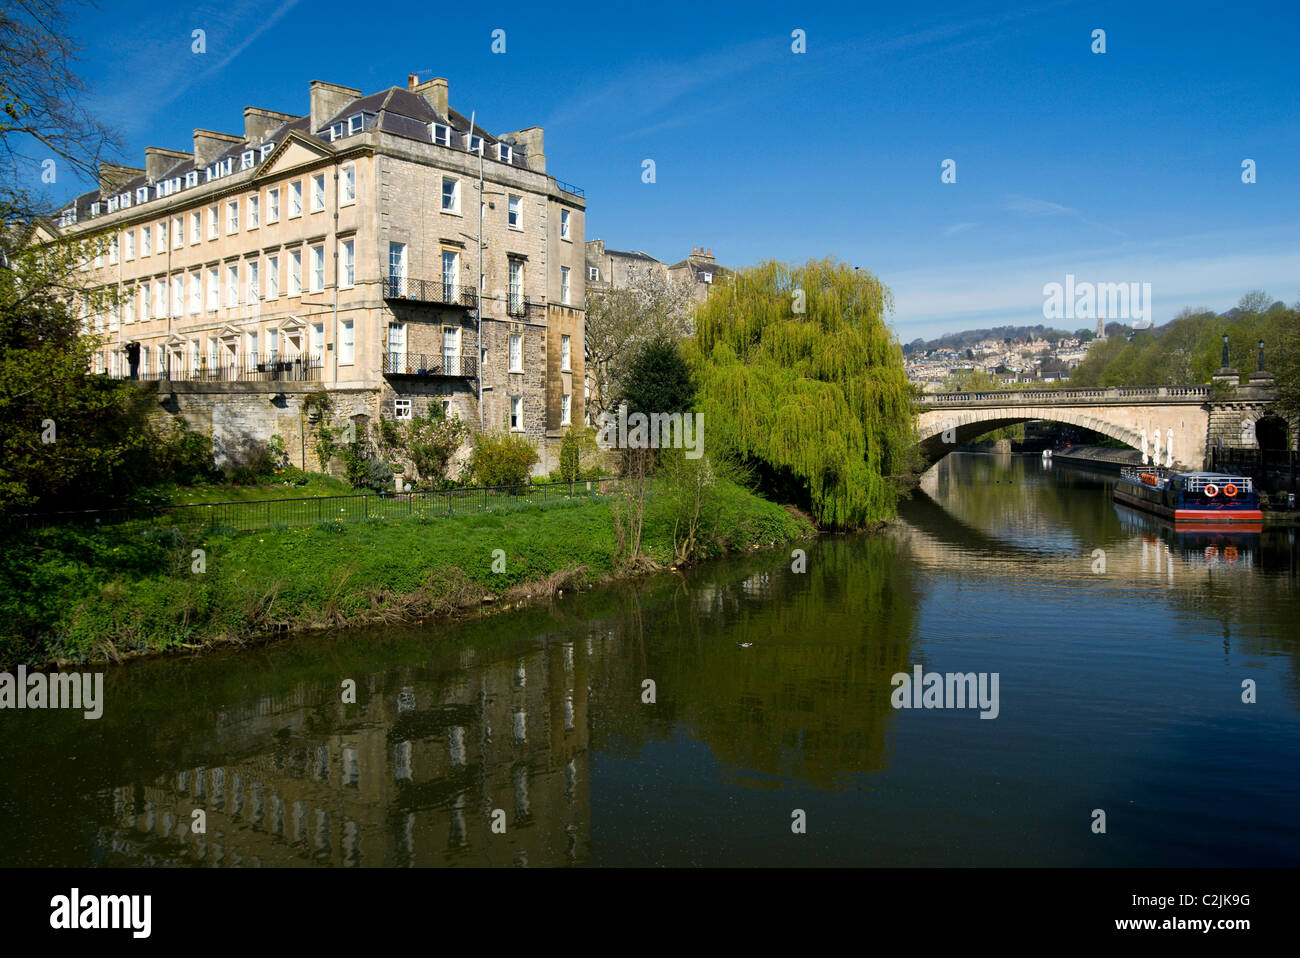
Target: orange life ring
[(1230, 553), (1211, 490), (1229, 490)]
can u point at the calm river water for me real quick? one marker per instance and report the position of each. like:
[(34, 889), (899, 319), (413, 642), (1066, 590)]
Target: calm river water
[(1119, 690)]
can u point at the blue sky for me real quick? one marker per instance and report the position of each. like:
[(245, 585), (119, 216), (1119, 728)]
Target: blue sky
[(1115, 167)]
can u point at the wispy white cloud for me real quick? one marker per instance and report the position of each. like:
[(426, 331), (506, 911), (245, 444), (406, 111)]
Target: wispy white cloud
[(1183, 271), (1029, 206), (959, 228)]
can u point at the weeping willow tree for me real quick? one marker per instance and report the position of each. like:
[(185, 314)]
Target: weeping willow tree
[(799, 376)]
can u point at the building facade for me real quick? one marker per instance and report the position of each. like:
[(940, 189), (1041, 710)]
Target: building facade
[(339, 250)]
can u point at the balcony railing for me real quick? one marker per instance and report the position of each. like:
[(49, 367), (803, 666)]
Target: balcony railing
[(271, 367), (430, 291), (423, 364), (521, 305)]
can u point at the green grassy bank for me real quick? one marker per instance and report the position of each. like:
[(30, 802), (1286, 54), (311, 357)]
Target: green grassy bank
[(72, 595)]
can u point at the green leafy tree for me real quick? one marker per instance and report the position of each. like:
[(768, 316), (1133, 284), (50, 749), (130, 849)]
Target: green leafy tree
[(658, 380), (501, 459), (800, 378)]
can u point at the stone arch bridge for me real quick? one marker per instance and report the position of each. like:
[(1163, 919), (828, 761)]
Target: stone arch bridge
[(1186, 418)]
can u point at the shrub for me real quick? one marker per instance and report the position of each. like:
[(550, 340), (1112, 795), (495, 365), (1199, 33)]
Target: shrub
[(501, 459), (430, 443)]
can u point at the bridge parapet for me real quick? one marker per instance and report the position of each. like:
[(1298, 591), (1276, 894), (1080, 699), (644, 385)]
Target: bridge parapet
[(1119, 395)]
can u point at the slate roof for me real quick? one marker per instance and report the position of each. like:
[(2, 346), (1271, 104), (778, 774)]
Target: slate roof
[(396, 110)]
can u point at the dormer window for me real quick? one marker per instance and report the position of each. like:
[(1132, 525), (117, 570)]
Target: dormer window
[(441, 134), (246, 160), (706, 277), (356, 123), (266, 150), (191, 178), (504, 153), (142, 194), (336, 132), (476, 145)]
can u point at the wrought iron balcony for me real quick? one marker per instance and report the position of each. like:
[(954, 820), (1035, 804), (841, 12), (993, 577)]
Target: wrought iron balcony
[(430, 291), (424, 364), (522, 305), (244, 367)]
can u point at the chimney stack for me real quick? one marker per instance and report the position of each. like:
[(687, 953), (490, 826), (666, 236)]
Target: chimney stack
[(530, 141), (208, 146), (113, 177), (412, 80), (434, 92), (158, 161), (327, 99), (259, 124)]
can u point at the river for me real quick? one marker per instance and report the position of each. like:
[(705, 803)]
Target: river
[(526, 737)]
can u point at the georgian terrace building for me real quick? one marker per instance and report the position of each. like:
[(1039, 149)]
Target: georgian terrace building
[(338, 249)]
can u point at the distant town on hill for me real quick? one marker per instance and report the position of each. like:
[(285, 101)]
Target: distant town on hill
[(1185, 349)]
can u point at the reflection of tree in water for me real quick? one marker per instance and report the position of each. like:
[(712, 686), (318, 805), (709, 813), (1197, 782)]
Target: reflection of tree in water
[(809, 698)]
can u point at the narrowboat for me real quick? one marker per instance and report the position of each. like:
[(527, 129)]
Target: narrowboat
[(1209, 498)]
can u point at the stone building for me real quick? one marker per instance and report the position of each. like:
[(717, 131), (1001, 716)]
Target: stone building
[(609, 268), (337, 250)]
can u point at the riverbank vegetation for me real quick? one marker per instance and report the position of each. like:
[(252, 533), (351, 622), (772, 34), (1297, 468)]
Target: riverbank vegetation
[(68, 593)]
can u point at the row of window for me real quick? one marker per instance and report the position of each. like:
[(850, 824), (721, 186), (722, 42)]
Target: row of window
[(252, 210), (282, 343), (517, 353), (150, 301), (515, 216)]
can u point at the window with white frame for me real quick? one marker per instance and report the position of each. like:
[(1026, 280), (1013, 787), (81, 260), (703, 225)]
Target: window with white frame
[(130, 244), (254, 202), (347, 348), (145, 234), (214, 289), (516, 353), (295, 199), (348, 263), (593, 274), (295, 272), (162, 237), (196, 294), (318, 342), (516, 413), (178, 232), (401, 409), (232, 284), (159, 299), (441, 134), (250, 346), (566, 405), (317, 268), (214, 227), (397, 268), (356, 123), (451, 350), (254, 280), (516, 304), (515, 212), (178, 295), (564, 285), (232, 216), (566, 352), (196, 227), (397, 346), (99, 253), (450, 195), (318, 193), (348, 183), (450, 273), (504, 153), (112, 251), (475, 145), (142, 303), (272, 277), (564, 225), (273, 205)]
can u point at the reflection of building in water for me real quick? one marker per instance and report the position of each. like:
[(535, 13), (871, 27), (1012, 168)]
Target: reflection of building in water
[(411, 776)]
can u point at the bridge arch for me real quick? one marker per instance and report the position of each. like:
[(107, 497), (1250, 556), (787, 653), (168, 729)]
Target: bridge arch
[(967, 425)]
